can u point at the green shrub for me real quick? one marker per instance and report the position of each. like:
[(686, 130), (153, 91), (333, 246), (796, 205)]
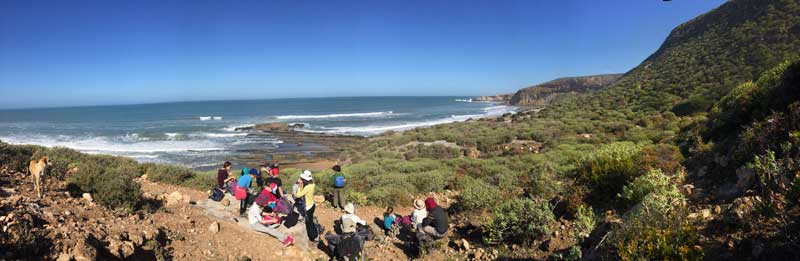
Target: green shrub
[(111, 186), (607, 170), (585, 222), (519, 221), (658, 229), (476, 194), (356, 197), (642, 186), (17, 157), (170, 174)]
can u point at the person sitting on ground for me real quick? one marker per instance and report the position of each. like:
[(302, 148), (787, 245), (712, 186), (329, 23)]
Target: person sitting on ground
[(305, 190), (223, 176), (257, 222), (436, 224), (273, 178), (419, 214), (338, 188), (349, 211), (244, 182), (388, 218)]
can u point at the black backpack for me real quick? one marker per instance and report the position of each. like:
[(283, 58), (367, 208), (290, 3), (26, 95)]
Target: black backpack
[(349, 247), (216, 194)]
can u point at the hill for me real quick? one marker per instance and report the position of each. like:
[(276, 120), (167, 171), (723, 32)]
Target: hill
[(544, 93)]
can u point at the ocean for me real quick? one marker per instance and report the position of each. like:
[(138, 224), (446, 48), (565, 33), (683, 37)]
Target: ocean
[(197, 134)]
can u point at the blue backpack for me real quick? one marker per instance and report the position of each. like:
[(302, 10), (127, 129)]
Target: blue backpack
[(338, 181)]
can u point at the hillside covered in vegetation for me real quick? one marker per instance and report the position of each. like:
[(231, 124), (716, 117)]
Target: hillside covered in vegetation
[(653, 166)]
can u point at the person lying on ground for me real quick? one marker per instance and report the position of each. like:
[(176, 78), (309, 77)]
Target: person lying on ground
[(257, 222)]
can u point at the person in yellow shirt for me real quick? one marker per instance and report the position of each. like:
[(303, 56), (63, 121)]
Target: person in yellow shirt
[(306, 189)]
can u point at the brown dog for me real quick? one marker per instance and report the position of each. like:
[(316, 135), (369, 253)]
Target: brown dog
[(37, 169)]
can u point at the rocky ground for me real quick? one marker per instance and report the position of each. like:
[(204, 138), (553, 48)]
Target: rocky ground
[(178, 226)]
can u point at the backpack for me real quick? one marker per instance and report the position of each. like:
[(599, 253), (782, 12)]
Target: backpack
[(240, 193), (338, 181), (291, 219), (217, 194), (349, 246), (282, 206)]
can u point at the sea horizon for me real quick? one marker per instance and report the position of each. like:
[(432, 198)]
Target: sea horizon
[(237, 100)]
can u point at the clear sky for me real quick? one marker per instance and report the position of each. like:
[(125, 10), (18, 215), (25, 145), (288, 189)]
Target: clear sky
[(64, 53)]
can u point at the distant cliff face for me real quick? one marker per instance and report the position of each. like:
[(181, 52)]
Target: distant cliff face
[(542, 94), (494, 98)]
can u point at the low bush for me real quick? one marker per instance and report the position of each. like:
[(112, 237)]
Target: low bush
[(585, 222), (476, 194), (519, 221), (17, 157), (607, 170), (658, 228), (642, 186)]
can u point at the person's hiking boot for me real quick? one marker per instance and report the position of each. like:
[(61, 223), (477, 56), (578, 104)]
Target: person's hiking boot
[(288, 241)]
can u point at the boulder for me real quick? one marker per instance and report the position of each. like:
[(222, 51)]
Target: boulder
[(174, 198), (84, 252), (465, 244), (745, 178), (741, 209), (213, 228), (87, 197), (319, 199)]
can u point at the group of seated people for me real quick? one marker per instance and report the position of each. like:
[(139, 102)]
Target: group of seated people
[(268, 207)]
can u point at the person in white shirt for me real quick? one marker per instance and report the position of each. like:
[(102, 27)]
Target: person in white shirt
[(255, 217), (350, 210), (419, 213)]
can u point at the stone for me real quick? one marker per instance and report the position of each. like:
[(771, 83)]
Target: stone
[(214, 227), (87, 197), (84, 252), (745, 178), (64, 257), (465, 244), (319, 199), (478, 255), (67, 213), (225, 202), (174, 198)]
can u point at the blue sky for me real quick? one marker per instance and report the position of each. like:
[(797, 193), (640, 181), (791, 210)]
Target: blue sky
[(64, 53)]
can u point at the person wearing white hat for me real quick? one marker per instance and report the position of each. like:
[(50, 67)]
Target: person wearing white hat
[(305, 190), (350, 214), (419, 213)]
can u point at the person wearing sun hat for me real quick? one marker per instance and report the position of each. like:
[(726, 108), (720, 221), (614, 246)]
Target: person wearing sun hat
[(305, 190), (419, 214), (349, 211)]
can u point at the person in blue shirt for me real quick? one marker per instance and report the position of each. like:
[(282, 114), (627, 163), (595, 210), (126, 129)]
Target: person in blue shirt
[(244, 181)]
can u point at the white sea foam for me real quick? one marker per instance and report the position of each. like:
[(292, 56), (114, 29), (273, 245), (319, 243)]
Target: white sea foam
[(338, 115), (377, 129), (224, 135), (110, 146), (464, 100), (234, 127), (208, 118)]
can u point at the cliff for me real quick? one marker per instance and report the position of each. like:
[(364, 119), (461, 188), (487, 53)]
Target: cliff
[(544, 93), (504, 98)]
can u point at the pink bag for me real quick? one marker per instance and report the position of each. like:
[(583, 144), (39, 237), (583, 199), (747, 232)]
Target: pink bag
[(241, 193)]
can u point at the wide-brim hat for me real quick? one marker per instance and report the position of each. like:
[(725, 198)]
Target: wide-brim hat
[(349, 208), (418, 204), (306, 175)]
